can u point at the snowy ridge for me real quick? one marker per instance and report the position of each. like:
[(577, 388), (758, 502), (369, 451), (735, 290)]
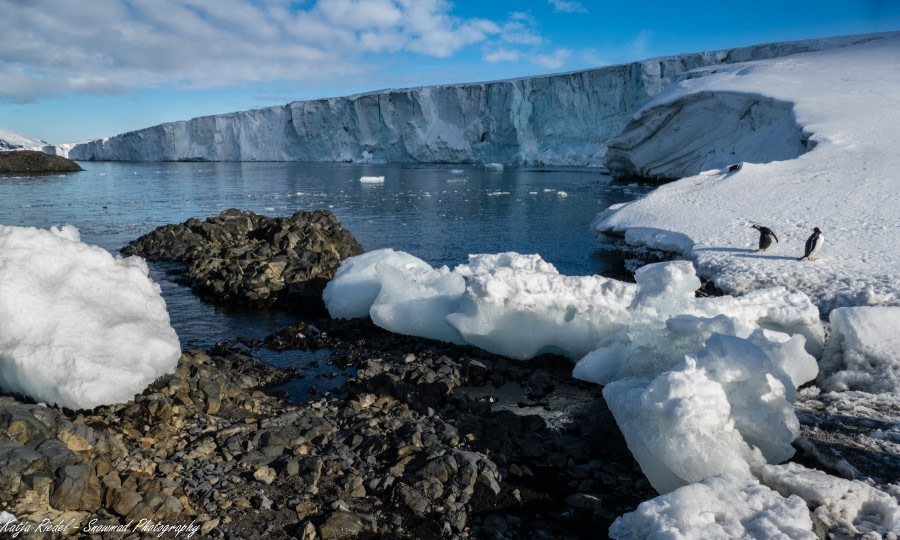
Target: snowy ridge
[(564, 119), (10, 140)]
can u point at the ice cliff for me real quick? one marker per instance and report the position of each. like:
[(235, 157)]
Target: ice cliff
[(564, 119)]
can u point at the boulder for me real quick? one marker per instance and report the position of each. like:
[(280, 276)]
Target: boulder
[(253, 261)]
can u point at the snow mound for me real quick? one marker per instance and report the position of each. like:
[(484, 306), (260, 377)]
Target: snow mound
[(846, 508), (863, 352), (717, 127), (78, 327), (718, 508), (724, 410)]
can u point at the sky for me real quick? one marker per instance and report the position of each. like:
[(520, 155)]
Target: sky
[(74, 71)]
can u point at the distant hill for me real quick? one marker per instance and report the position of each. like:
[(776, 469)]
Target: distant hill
[(10, 140), (34, 161)]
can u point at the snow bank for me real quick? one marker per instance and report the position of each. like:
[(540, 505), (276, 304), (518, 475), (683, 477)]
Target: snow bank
[(817, 135), (717, 508), (846, 508), (78, 327), (863, 352), (724, 410)]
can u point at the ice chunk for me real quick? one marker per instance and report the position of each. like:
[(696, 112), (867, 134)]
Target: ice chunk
[(356, 284), (719, 507), (416, 303), (863, 352), (847, 508), (494, 167), (723, 410), (78, 327), (520, 306), (371, 179)]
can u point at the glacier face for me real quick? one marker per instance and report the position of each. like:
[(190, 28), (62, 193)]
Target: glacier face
[(564, 119)]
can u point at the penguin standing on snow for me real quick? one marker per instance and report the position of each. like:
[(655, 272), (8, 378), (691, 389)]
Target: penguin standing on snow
[(766, 235), (813, 244)]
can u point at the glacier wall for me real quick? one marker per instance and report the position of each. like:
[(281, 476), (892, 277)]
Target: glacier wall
[(564, 119)]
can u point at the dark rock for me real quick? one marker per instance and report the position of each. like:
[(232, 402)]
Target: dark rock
[(249, 260), (33, 161)]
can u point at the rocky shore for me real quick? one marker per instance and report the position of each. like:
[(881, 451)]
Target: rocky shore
[(35, 162), (412, 438), (248, 260), (414, 446)]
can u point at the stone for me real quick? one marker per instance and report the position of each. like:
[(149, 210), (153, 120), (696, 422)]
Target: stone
[(265, 475), (344, 524)]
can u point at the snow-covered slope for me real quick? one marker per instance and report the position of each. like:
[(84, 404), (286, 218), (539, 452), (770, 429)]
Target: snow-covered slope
[(844, 112), (564, 119), (10, 140)]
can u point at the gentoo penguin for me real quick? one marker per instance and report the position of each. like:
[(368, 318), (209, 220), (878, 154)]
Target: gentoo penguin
[(766, 235), (813, 244)]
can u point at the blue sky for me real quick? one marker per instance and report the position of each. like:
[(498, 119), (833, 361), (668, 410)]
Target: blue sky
[(73, 71)]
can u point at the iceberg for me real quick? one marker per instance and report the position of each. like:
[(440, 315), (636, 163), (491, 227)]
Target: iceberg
[(78, 327)]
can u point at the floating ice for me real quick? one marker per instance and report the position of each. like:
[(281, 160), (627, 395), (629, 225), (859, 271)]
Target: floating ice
[(78, 327), (720, 507), (494, 167), (371, 179), (863, 352)]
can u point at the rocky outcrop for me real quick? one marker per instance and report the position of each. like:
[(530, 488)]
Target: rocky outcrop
[(254, 261), (35, 162), (563, 119)]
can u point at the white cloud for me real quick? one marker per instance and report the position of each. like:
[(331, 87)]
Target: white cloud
[(567, 6), (502, 55), (554, 60), (640, 45), (109, 46)]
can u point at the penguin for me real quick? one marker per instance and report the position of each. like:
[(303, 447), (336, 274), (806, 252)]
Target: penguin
[(813, 244), (766, 235)]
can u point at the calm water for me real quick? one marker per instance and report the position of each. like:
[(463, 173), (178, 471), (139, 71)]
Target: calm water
[(436, 212)]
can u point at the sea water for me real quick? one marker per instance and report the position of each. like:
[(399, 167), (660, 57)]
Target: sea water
[(439, 213)]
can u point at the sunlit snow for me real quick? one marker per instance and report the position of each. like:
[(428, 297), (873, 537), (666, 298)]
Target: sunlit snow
[(78, 327)]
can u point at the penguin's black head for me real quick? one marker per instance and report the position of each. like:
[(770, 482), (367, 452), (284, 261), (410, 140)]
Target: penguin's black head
[(816, 229), (754, 226)]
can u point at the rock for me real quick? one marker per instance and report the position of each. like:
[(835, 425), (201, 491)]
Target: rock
[(122, 501), (585, 502), (248, 260), (265, 474), (33, 161), (343, 524)]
